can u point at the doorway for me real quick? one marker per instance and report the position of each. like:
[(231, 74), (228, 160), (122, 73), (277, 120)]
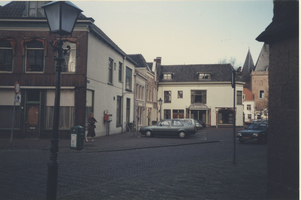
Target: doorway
[(32, 121)]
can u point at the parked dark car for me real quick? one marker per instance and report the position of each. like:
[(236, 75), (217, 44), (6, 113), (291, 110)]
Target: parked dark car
[(169, 127), (202, 123), (256, 132)]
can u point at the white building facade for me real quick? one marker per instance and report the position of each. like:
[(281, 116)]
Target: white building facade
[(201, 92)]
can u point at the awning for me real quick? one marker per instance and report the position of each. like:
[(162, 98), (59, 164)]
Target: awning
[(198, 106)]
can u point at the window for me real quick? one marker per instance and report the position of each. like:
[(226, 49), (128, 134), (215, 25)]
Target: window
[(180, 94), (70, 58), (110, 71), (198, 96), (204, 76), (165, 123), (177, 123), (167, 96), (167, 114), (128, 81), (120, 72), (178, 114), (167, 76), (225, 117), (35, 9), (89, 104), (118, 111), (6, 56), (249, 116), (128, 109), (67, 109), (261, 94), (243, 97), (239, 97), (248, 107), (34, 56)]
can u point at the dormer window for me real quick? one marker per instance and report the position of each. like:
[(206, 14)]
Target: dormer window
[(167, 76), (204, 76), (34, 9)]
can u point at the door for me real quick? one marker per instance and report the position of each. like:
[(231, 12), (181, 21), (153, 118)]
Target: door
[(32, 121)]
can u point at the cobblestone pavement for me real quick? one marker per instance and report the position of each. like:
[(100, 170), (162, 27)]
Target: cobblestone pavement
[(124, 166)]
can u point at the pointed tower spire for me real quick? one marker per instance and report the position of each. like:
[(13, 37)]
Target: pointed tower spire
[(247, 67)]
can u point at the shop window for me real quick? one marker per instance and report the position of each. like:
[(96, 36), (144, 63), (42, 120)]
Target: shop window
[(225, 117), (6, 56), (67, 109), (6, 110), (178, 114)]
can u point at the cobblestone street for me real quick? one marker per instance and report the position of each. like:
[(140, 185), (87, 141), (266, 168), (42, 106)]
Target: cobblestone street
[(128, 167)]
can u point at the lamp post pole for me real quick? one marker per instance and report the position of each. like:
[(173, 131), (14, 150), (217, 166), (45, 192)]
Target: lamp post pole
[(61, 18), (53, 163)]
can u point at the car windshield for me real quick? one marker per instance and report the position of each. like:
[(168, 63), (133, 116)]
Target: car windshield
[(257, 127)]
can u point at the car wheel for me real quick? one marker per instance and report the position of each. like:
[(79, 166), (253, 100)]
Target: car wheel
[(182, 134), (148, 134), (241, 141)]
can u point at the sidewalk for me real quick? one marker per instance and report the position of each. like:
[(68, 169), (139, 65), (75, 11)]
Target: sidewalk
[(123, 141)]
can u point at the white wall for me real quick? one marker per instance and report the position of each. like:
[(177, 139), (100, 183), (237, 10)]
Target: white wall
[(105, 95), (219, 95)]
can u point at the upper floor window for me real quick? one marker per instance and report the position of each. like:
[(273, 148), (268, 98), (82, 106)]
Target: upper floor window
[(248, 107), (204, 76), (198, 96), (35, 10), (34, 56), (167, 76), (120, 72), (180, 94), (167, 96), (239, 97), (110, 71), (69, 64), (6, 56), (128, 81), (261, 94)]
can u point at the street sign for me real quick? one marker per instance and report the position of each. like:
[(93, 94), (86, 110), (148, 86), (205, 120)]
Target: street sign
[(17, 87), (17, 98)]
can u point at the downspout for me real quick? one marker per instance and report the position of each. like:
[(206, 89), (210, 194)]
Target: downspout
[(124, 58)]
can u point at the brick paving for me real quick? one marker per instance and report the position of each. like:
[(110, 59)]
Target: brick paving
[(213, 179)]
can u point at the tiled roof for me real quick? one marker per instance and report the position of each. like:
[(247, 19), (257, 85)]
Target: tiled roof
[(249, 96), (16, 9), (139, 59), (263, 59), (248, 67), (13, 9), (189, 73)]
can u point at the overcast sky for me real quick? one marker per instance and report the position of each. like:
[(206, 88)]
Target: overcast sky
[(183, 32)]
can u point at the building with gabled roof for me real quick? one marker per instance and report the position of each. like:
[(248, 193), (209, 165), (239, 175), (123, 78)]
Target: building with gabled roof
[(98, 76), (151, 107), (201, 92)]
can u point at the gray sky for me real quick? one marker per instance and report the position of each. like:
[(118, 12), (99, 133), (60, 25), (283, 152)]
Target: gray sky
[(183, 32)]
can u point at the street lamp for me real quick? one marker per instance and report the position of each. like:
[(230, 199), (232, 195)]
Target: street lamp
[(160, 103), (61, 17)]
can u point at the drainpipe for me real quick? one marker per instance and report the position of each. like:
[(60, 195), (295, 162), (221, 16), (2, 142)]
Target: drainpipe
[(123, 82)]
